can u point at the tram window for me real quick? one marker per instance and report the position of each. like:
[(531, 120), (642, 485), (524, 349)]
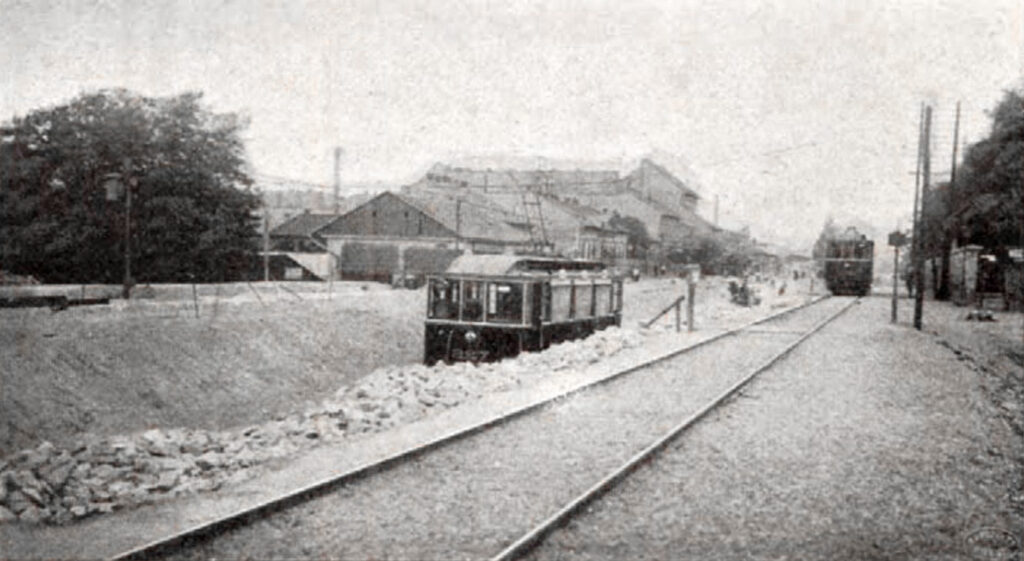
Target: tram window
[(473, 305), (444, 299), (561, 301), (504, 302), (602, 299), (584, 294)]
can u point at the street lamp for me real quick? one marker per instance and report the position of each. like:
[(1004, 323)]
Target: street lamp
[(114, 183)]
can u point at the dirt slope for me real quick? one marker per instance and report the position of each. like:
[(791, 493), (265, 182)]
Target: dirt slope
[(254, 352), (112, 371)]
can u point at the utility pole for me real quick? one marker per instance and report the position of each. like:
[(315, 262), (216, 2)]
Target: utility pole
[(1020, 242), (946, 247), (266, 240), (895, 282), (956, 140), (920, 234), (458, 224), (916, 201), (337, 180), (130, 182)]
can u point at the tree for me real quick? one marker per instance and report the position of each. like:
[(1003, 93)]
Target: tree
[(717, 254), (829, 231), (190, 216), (637, 238), (986, 205)]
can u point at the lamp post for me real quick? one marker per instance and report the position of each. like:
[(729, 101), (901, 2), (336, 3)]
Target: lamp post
[(114, 183)]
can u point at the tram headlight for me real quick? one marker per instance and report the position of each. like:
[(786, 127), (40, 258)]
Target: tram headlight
[(471, 337)]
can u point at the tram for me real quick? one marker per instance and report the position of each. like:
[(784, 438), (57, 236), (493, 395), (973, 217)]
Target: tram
[(488, 307)]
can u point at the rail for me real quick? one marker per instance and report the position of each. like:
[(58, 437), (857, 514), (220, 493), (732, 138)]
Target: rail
[(240, 517), (536, 535)]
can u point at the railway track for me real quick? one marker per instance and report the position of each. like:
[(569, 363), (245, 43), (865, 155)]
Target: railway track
[(395, 514), (528, 541)]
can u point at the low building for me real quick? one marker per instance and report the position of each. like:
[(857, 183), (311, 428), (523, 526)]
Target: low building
[(399, 235), (301, 233)]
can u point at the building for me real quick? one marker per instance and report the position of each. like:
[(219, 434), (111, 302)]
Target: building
[(301, 233), (396, 235), (570, 209)]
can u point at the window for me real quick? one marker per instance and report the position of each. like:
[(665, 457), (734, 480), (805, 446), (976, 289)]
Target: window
[(472, 297), (602, 299), (504, 302), (584, 296), (560, 302), (443, 299)]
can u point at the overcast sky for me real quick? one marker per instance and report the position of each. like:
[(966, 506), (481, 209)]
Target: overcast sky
[(789, 111)]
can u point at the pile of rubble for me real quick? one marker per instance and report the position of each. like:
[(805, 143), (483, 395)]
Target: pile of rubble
[(103, 474)]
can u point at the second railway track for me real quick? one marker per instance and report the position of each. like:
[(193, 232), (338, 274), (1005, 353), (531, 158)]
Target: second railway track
[(474, 495)]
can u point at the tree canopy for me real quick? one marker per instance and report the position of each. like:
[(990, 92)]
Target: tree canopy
[(637, 238), (191, 216), (985, 205)]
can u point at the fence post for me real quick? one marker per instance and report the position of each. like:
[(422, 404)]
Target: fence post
[(691, 289)]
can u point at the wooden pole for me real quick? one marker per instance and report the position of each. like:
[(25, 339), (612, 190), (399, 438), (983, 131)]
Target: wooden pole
[(956, 140), (691, 290), (895, 281), (266, 244), (917, 198), (947, 242), (926, 170), (126, 289), (337, 180), (458, 224), (1020, 244), (330, 276), (674, 304)]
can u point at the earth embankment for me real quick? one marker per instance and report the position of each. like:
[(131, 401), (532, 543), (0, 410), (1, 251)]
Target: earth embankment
[(154, 363), (238, 354)]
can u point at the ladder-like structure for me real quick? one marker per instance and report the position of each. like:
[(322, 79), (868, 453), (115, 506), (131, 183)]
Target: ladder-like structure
[(535, 220)]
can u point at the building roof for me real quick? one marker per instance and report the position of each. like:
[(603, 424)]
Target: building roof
[(570, 199), (303, 225), (651, 165), (498, 265), (473, 218)]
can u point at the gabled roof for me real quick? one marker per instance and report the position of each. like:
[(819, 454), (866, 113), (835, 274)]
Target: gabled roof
[(651, 165), (477, 218), (303, 225)]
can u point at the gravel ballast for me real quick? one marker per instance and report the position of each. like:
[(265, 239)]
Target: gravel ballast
[(94, 474), (871, 441), (469, 498)]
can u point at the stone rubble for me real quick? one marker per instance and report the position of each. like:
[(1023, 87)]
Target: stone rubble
[(99, 475)]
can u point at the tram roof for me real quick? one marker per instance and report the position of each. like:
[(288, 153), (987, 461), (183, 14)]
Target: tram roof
[(500, 265)]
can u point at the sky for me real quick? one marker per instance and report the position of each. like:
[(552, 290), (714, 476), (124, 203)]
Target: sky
[(786, 112)]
